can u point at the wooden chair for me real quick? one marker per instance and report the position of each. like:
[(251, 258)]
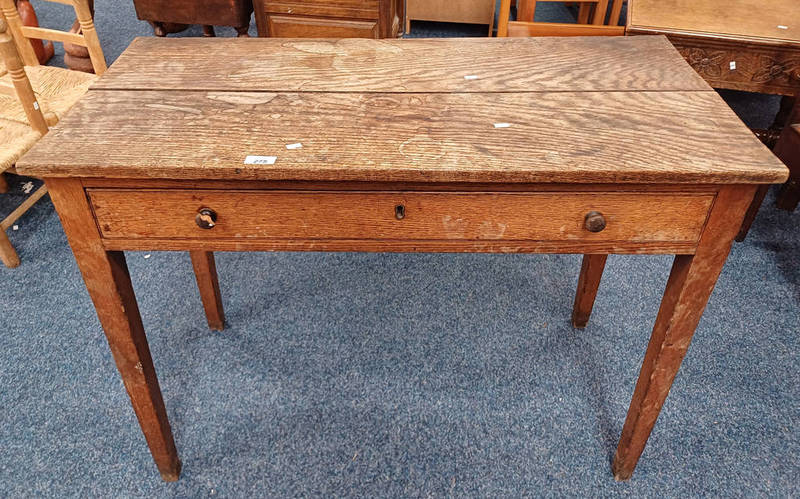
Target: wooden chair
[(33, 97), (591, 20), (57, 89), (16, 137)]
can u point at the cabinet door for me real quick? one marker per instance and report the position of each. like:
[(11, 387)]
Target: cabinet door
[(311, 27)]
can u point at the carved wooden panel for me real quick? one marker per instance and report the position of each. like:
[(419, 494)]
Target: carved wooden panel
[(741, 65)]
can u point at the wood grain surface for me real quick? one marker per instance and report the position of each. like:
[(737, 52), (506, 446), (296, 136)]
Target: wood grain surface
[(411, 65), (778, 20), (161, 214), (571, 137)]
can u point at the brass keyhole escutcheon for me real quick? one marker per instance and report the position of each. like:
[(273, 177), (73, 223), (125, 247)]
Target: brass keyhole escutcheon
[(206, 218), (399, 212), (594, 221)]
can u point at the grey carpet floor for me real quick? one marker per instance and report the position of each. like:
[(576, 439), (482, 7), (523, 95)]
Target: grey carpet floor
[(393, 375)]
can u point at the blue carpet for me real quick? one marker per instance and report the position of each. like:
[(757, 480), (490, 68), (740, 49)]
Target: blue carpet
[(390, 375)]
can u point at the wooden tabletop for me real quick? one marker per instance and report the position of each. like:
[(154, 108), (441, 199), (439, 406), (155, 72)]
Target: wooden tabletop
[(576, 110), (775, 21)]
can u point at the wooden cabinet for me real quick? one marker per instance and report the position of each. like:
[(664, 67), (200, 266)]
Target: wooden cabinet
[(329, 18), (459, 11)]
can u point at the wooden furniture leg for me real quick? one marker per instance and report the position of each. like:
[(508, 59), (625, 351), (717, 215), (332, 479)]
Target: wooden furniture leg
[(788, 150), (690, 284), (8, 255), (44, 49), (162, 29), (588, 283), (3, 183), (752, 211), (789, 196), (208, 31), (241, 31), (108, 282), (205, 270), (585, 10)]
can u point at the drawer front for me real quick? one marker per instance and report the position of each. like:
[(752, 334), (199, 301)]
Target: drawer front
[(358, 215), (309, 27), (357, 9)]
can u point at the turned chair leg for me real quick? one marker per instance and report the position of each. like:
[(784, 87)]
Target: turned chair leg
[(588, 283), (205, 271)]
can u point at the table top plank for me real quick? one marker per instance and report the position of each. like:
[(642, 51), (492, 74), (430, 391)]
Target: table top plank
[(776, 20), (412, 65), (570, 137)]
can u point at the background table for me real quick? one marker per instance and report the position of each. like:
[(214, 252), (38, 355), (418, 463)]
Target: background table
[(742, 45), (590, 146)]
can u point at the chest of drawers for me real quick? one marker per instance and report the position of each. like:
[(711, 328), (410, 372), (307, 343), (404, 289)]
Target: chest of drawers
[(329, 18)]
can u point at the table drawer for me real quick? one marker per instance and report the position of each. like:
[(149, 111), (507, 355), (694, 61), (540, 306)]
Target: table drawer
[(360, 215), (311, 27)]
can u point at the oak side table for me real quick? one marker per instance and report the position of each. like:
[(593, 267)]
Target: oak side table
[(583, 145)]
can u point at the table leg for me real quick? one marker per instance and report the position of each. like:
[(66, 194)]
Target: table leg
[(3, 183), (108, 282), (752, 211), (690, 284), (205, 270), (588, 282)]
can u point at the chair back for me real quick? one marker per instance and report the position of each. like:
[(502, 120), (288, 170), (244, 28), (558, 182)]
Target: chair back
[(87, 37), (592, 20), (22, 86)]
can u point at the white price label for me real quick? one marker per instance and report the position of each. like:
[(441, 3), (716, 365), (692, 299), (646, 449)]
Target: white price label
[(260, 160)]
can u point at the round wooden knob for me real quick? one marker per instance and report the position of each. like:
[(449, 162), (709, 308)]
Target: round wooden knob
[(206, 218), (594, 221)]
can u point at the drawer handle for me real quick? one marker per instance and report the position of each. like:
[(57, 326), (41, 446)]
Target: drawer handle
[(594, 221), (206, 218), (399, 212)]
